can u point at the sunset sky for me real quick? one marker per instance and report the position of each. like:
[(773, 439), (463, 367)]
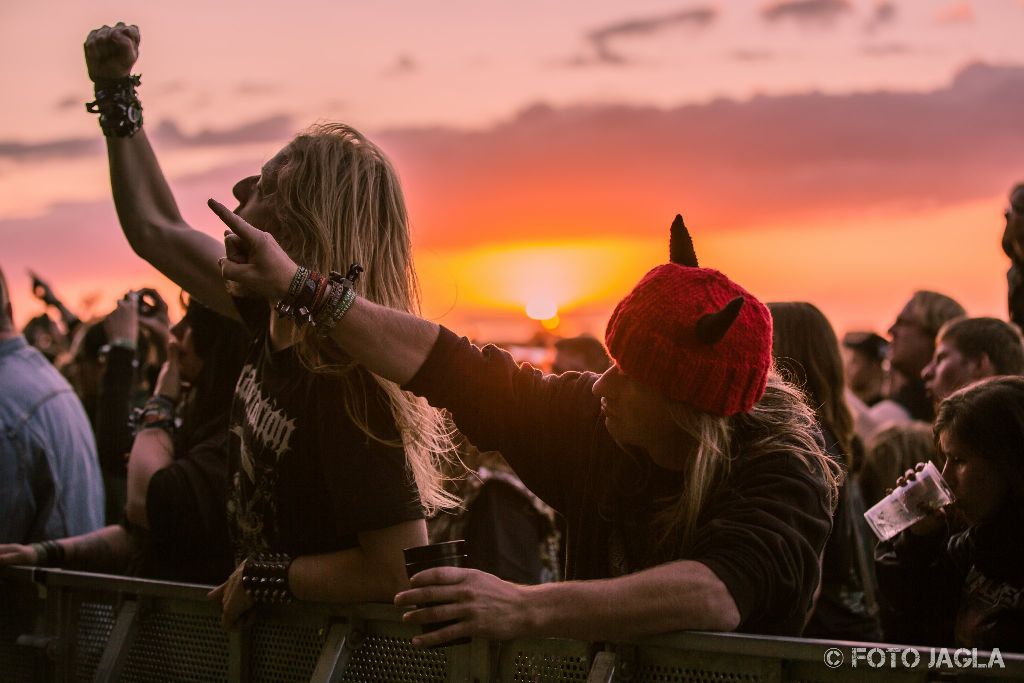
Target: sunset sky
[(840, 152)]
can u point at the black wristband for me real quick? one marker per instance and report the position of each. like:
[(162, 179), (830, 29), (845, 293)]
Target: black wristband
[(49, 554), (265, 577), (118, 106)]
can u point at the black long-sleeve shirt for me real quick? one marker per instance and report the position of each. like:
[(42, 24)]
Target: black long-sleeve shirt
[(969, 585), (761, 532)]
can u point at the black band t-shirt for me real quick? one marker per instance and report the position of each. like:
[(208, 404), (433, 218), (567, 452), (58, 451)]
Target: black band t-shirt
[(303, 477)]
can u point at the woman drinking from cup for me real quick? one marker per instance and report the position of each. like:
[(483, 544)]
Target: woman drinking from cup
[(969, 567)]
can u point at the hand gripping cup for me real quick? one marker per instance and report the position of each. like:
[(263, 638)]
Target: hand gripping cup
[(909, 504), (449, 554)]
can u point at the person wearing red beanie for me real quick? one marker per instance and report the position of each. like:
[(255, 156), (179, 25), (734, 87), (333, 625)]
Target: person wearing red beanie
[(692, 479)]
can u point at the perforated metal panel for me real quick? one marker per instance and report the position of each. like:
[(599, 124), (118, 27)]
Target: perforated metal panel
[(386, 659), (177, 647), (95, 621), (534, 667), (680, 666), (285, 652), (817, 672)]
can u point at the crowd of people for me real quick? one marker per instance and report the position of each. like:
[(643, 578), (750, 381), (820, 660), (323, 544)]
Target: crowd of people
[(707, 466)]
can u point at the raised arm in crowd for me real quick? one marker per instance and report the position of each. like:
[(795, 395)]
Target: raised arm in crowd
[(330, 472)]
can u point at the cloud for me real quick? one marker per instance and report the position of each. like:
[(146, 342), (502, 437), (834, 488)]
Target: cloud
[(884, 13), (62, 148), (252, 88), (598, 171), (806, 11), (70, 102), (581, 170), (271, 129), (600, 40), (752, 55), (957, 13), (886, 49), (168, 87), (402, 66)]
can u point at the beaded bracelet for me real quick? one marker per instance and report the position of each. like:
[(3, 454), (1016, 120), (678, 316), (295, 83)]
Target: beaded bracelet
[(157, 413), (318, 300), (265, 577), (339, 305), (48, 553), (118, 106), (331, 299), (285, 306)]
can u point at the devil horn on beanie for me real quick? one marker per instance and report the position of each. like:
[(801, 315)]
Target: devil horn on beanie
[(680, 244), (693, 335), (712, 326)]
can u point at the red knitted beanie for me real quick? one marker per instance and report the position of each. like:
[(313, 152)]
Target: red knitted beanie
[(653, 336)]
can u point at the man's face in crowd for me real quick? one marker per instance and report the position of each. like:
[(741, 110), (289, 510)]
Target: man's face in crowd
[(949, 370), (255, 196), (912, 345), (976, 482), (635, 415)]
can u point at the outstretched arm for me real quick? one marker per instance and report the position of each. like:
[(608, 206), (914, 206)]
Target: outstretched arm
[(677, 596), (145, 205), (104, 550), (391, 344)]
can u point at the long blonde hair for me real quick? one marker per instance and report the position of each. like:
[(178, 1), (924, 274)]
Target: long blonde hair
[(781, 422), (341, 202)]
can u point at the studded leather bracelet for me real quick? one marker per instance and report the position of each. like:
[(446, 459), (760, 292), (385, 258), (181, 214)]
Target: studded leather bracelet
[(265, 578)]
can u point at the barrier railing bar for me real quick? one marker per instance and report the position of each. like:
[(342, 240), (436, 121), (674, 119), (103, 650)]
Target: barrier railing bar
[(335, 654), (804, 649), (239, 651), (603, 668), (60, 588), (120, 642)]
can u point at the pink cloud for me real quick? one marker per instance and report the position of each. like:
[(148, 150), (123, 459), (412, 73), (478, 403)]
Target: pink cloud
[(957, 13)]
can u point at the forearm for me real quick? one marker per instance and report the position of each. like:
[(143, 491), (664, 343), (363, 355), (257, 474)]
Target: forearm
[(113, 434), (344, 576), (389, 343), (154, 227), (373, 571), (145, 204), (151, 451), (104, 550), (71, 321), (683, 595)]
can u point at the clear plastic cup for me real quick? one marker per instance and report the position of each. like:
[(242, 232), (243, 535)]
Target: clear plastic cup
[(909, 504)]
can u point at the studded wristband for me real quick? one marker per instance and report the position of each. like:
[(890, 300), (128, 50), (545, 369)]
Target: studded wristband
[(265, 578)]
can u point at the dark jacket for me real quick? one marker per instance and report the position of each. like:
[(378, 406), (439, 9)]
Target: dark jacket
[(973, 579), (762, 529)]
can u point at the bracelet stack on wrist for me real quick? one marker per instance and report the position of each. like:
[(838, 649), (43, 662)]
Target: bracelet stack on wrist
[(319, 300), (265, 578), (118, 106), (159, 412), (48, 553)]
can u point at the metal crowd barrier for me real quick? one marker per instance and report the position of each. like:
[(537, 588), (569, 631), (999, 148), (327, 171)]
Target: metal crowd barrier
[(71, 626)]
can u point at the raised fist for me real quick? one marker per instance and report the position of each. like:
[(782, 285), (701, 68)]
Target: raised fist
[(111, 52)]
